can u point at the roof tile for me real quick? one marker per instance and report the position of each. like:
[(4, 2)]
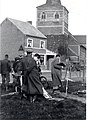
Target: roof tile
[(27, 28)]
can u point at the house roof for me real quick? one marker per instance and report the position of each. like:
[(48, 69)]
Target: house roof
[(72, 38), (52, 4), (26, 28), (37, 50), (49, 5), (71, 52), (81, 38), (41, 51), (48, 52)]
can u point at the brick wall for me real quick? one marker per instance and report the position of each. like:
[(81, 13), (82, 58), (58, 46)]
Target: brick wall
[(11, 39), (50, 25), (54, 40), (36, 41), (51, 30)]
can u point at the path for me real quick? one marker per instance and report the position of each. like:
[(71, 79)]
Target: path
[(69, 96)]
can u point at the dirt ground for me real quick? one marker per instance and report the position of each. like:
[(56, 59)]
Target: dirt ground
[(13, 108)]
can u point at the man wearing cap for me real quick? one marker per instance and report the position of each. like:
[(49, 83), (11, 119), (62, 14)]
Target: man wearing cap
[(31, 81)]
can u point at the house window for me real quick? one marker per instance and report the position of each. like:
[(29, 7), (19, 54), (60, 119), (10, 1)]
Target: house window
[(43, 16), (29, 43), (42, 44), (42, 59)]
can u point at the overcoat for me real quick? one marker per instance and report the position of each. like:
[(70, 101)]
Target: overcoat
[(5, 66), (56, 72), (31, 76)]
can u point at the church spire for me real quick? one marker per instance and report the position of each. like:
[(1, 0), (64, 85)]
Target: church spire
[(52, 2)]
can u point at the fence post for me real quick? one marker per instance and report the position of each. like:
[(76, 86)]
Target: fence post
[(83, 74), (84, 70), (70, 72), (80, 73)]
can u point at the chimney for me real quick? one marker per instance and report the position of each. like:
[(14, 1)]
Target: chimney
[(30, 22)]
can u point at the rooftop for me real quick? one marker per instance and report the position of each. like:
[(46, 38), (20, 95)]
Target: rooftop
[(81, 38), (26, 28), (51, 3)]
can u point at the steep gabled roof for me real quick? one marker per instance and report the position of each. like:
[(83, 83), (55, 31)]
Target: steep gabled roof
[(54, 3), (81, 38), (71, 52), (72, 38), (26, 28), (50, 5)]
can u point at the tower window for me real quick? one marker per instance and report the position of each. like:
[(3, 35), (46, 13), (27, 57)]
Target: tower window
[(43, 16), (56, 16)]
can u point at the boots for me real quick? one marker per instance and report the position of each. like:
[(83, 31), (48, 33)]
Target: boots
[(33, 98)]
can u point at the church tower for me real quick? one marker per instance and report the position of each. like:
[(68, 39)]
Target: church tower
[(52, 18)]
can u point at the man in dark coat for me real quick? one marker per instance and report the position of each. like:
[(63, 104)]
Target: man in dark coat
[(31, 80), (5, 72), (17, 74), (56, 73)]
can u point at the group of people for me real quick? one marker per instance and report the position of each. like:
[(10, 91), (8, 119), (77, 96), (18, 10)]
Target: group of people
[(29, 68)]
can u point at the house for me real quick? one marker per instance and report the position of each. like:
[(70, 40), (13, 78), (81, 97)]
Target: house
[(82, 42), (17, 35), (52, 21)]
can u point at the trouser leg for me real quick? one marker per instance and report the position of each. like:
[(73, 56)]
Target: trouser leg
[(3, 78), (3, 81), (7, 81)]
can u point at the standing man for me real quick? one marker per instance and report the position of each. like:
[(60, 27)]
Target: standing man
[(31, 79), (56, 72), (5, 72)]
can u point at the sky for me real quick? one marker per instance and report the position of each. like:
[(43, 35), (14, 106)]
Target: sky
[(25, 10)]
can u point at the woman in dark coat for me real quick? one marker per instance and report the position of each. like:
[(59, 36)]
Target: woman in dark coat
[(56, 72)]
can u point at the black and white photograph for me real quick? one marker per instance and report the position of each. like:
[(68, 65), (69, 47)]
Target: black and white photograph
[(43, 59)]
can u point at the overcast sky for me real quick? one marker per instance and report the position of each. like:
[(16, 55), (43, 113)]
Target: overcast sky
[(25, 10)]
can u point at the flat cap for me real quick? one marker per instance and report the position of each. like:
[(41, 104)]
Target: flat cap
[(29, 50)]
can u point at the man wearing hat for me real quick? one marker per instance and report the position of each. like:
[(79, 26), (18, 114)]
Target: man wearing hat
[(31, 82)]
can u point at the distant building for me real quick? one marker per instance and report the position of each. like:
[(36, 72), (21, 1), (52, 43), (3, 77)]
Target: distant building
[(17, 36), (52, 21), (82, 42), (81, 39)]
